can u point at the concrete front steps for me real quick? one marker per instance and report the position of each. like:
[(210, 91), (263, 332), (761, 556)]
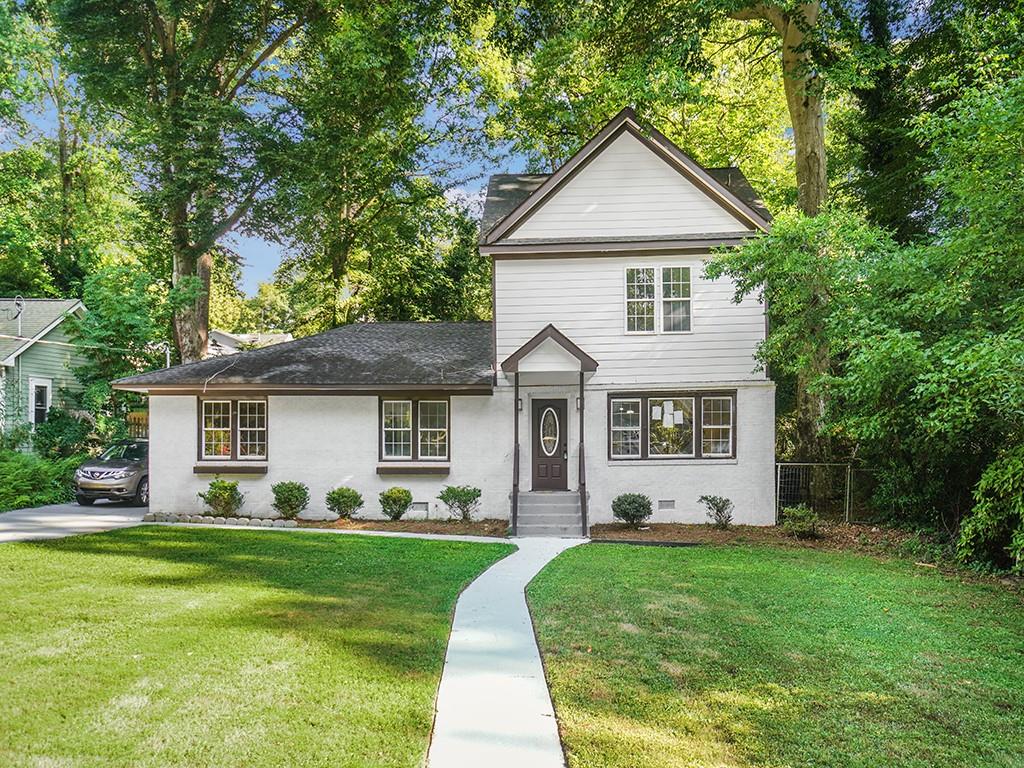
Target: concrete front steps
[(550, 513)]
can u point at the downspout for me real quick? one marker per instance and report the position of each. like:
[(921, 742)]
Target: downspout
[(515, 456), (583, 463)]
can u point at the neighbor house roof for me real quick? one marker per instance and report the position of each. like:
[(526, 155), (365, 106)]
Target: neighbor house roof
[(363, 356), (507, 194), (38, 318)]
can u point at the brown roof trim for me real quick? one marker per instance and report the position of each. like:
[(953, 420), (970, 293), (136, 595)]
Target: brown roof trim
[(512, 249), (263, 390), (511, 363), (627, 120)]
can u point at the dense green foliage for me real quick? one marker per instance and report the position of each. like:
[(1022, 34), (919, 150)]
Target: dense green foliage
[(61, 435), (223, 497), (395, 502), (462, 500), (32, 481), (776, 656), (240, 647), (344, 502), (631, 508), (290, 498)]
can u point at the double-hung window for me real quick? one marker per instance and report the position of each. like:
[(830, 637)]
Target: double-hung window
[(667, 425), (414, 430), (658, 299), (716, 426), (233, 429)]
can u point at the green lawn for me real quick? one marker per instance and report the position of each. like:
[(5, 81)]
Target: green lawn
[(160, 646), (766, 656)]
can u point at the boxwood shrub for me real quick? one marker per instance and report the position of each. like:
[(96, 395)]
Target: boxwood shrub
[(344, 502), (631, 508), (223, 497), (290, 498), (395, 502)]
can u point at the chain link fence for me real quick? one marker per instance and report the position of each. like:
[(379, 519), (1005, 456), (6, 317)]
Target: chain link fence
[(837, 492)]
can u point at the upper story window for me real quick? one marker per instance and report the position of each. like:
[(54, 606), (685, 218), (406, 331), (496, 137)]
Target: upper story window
[(658, 299), (414, 429), (233, 429)]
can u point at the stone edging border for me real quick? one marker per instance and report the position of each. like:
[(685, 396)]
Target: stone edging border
[(253, 522)]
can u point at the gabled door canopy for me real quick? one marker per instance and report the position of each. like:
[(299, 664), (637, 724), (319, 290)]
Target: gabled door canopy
[(511, 363)]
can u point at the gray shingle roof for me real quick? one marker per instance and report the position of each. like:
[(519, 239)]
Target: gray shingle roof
[(363, 355), (37, 315), (505, 191)]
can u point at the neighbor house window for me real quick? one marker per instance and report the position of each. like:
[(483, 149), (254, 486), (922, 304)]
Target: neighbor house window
[(625, 427), (665, 425), (640, 299), (233, 429), (675, 299), (716, 426), (414, 429), (658, 300), (39, 391), (671, 427)]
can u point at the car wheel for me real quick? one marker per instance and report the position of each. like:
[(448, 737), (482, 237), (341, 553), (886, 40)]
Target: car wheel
[(84, 501), (142, 493)]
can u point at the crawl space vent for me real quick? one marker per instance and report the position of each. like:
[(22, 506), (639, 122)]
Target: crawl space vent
[(664, 504)]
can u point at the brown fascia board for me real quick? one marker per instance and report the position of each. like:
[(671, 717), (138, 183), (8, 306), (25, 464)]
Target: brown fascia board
[(587, 363), (257, 390), (583, 248), (658, 143)]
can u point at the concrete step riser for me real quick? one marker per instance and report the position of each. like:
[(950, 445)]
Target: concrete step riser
[(550, 530), (549, 511), (567, 522)]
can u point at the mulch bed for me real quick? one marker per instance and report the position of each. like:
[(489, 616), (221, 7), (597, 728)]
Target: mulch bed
[(497, 528), (864, 538)]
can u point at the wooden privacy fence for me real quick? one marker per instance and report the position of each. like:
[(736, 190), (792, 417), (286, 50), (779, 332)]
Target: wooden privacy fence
[(835, 491), (138, 424)]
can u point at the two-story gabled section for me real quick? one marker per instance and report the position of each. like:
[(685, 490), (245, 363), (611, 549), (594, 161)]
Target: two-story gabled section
[(632, 372), (611, 366)]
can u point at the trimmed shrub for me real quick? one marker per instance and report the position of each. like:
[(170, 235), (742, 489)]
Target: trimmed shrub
[(26, 480), (223, 497), (462, 500), (631, 508), (290, 498), (719, 510), (344, 502), (395, 502), (800, 522)]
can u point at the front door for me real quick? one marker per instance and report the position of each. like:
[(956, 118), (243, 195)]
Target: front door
[(550, 446)]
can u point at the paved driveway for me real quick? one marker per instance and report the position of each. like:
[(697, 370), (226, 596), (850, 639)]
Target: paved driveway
[(59, 520)]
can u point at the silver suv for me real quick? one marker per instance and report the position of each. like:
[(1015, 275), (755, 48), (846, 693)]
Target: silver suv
[(120, 473)]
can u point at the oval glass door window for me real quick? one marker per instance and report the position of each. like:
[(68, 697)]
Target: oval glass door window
[(549, 431)]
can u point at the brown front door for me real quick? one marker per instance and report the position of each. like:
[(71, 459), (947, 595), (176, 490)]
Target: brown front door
[(550, 446)]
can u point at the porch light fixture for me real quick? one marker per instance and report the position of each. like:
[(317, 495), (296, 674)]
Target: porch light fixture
[(519, 404), (577, 403)]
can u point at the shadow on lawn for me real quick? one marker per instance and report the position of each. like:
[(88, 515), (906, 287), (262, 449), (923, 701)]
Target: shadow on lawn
[(388, 600)]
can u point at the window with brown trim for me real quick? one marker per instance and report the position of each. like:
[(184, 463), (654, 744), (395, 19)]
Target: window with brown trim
[(414, 429), (658, 299), (233, 429), (666, 425)]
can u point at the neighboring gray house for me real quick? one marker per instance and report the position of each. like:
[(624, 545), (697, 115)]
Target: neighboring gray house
[(224, 343), (612, 365), (36, 358)]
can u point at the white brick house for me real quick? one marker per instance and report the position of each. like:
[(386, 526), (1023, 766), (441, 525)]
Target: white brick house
[(611, 365)]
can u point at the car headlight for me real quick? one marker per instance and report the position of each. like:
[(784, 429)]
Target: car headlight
[(120, 474), (79, 474)]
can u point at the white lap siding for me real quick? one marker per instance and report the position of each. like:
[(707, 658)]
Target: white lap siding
[(585, 299), (330, 441)]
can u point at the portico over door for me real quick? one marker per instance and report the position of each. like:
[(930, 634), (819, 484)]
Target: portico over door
[(550, 445)]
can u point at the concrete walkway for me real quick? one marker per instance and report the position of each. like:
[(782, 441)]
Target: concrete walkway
[(58, 520), (493, 705)]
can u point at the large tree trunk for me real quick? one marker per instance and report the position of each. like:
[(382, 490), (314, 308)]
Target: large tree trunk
[(803, 97)]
